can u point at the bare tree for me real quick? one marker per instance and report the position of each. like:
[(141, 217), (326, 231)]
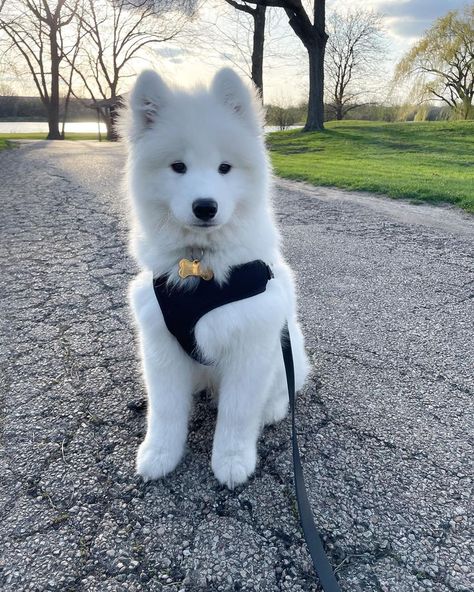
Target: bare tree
[(441, 64), (67, 77), (114, 34), (282, 114), (353, 50), (6, 90), (235, 36), (258, 15), (312, 33), (8, 100), (33, 29)]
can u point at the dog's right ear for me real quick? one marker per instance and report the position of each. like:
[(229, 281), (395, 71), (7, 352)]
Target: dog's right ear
[(229, 88), (149, 95)]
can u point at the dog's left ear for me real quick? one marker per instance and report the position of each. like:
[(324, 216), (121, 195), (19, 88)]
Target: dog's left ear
[(230, 89)]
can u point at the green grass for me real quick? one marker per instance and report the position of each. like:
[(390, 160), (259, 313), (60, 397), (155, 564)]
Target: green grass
[(424, 162), (6, 138)]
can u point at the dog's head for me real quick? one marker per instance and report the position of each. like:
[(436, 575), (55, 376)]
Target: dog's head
[(197, 156)]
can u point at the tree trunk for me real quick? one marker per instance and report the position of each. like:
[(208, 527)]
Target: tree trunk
[(258, 45), (466, 107), (105, 116), (315, 119), (111, 137), (66, 109), (53, 122), (314, 38), (339, 113), (110, 119), (53, 106)]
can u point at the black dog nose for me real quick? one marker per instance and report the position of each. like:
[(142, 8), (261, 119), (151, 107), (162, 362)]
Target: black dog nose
[(205, 209)]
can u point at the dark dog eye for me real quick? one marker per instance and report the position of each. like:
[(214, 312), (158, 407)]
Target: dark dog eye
[(224, 168), (179, 167)]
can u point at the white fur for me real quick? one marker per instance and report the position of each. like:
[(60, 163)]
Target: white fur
[(203, 128)]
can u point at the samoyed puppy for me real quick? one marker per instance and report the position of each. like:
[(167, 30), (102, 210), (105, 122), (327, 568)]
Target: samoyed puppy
[(199, 183)]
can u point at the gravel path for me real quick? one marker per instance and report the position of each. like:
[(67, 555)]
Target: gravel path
[(386, 422)]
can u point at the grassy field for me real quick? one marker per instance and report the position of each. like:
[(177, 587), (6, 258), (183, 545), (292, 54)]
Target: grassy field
[(424, 162), (5, 138)]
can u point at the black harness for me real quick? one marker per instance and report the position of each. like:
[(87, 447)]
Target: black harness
[(182, 309)]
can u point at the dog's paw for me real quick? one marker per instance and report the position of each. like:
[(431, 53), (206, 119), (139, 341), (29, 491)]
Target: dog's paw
[(232, 468), (275, 410), (155, 461)]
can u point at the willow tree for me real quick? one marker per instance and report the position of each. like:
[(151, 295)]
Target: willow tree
[(441, 64)]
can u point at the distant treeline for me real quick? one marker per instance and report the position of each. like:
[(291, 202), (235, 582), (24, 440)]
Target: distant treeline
[(32, 109), (284, 117)]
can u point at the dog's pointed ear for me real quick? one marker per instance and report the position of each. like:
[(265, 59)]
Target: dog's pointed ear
[(230, 89), (149, 95)]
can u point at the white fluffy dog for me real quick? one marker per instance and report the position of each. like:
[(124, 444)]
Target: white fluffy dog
[(205, 146)]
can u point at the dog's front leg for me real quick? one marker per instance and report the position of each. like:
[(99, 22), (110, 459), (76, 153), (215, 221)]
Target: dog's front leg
[(244, 387), (169, 400)]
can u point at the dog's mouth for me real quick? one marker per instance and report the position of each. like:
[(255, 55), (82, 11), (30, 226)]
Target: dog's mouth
[(205, 225)]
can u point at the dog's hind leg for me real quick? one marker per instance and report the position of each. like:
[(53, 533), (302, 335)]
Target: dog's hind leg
[(276, 405), (300, 357)]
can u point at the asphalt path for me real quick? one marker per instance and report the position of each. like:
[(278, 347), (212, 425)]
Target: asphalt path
[(386, 422)]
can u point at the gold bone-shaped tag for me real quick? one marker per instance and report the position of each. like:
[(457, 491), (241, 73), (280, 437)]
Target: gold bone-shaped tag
[(187, 268)]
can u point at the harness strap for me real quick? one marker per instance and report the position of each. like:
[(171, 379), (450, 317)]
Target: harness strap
[(313, 539), (182, 308)]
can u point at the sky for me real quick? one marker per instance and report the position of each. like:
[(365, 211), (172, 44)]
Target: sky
[(219, 37), (284, 81)]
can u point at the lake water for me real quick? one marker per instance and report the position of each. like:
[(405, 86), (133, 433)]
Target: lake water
[(86, 127), (25, 127)]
